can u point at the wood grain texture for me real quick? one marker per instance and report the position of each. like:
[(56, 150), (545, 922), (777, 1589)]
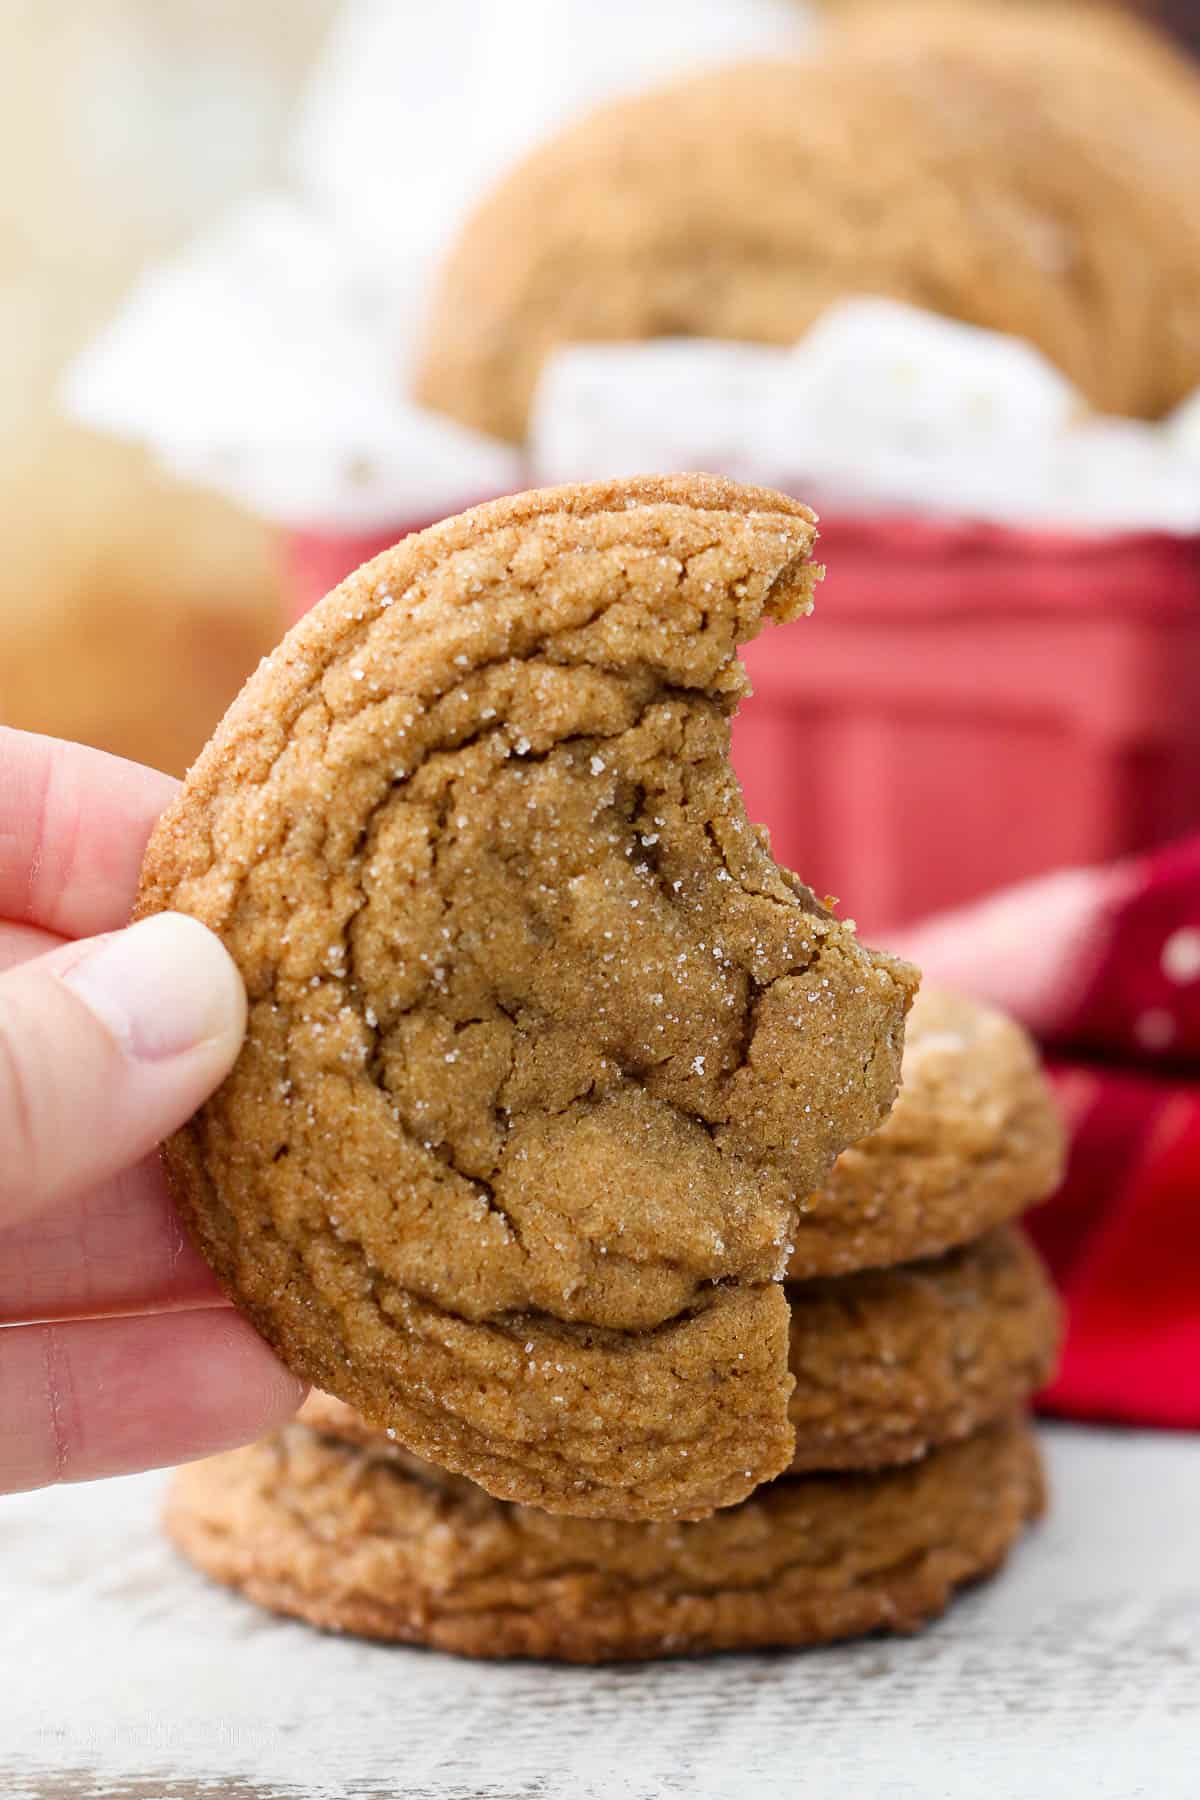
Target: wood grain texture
[(1078, 1672)]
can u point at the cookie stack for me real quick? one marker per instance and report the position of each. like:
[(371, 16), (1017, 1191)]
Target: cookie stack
[(914, 1470), (540, 1150)]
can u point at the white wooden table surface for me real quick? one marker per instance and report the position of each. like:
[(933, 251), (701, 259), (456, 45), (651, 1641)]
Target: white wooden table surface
[(1076, 1676)]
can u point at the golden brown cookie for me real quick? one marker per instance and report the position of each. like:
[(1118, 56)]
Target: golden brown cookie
[(974, 1139), (1023, 173), (357, 1540), (891, 1362), (542, 1046)]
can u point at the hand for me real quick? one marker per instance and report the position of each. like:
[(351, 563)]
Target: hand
[(117, 1349)]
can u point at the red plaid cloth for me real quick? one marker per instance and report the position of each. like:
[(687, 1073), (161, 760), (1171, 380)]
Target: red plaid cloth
[(1105, 966)]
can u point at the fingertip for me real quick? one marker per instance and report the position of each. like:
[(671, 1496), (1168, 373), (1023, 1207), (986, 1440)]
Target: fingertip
[(98, 1397), (238, 1389), (108, 1046), (260, 1392), (164, 988)]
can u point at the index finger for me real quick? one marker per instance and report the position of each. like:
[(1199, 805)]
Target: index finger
[(73, 827)]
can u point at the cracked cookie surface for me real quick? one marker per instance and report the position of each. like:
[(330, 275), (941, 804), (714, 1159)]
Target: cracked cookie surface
[(362, 1541), (974, 1139), (891, 1362), (542, 1046)]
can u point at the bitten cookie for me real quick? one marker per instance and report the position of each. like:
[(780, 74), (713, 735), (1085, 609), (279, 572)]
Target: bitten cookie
[(891, 1362), (361, 1541), (542, 1046), (1030, 175), (974, 1139)]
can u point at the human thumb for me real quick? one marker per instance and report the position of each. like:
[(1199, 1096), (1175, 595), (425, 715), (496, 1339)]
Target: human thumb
[(106, 1046)]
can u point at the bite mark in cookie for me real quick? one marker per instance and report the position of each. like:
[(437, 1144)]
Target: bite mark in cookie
[(543, 1048), (888, 1363)]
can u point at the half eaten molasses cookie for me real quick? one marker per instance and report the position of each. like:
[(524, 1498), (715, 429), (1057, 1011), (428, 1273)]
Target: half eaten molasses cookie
[(543, 1051)]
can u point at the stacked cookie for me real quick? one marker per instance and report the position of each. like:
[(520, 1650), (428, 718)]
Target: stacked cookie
[(914, 1470), (531, 1155)]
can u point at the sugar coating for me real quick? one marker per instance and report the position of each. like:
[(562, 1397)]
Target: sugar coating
[(519, 1067), (375, 1543), (974, 1139)]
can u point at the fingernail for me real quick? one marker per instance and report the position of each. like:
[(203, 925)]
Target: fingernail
[(161, 987)]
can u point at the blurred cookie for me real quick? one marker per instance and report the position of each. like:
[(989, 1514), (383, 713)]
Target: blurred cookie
[(1005, 167), (974, 1139), (891, 1362), (132, 608), (542, 1046), (358, 1541)]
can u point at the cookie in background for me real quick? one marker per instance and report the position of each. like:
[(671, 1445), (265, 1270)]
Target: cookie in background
[(1029, 178), (131, 607), (130, 617)]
